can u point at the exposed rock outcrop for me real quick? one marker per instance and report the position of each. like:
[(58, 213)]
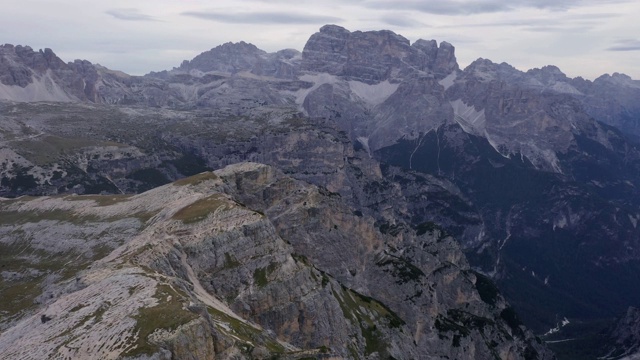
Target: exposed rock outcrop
[(246, 262), (624, 337), (374, 56)]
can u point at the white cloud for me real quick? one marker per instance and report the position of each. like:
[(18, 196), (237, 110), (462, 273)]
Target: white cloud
[(625, 45), (129, 14)]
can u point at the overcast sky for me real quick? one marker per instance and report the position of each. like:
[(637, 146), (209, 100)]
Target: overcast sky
[(583, 37)]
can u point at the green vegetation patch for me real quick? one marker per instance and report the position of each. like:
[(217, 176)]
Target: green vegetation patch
[(77, 307), (190, 164), (260, 275), (167, 315), (19, 296), (511, 318), (368, 313), (200, 209), (196, 179), (100, 200), (230, 261), (15, 217), (246, 335), (460, 323), (301, 259), (23, 217), (48, 149), (31, 267), (149, 177), (400, 268), (391, 229), (486, 288), (427, 227)]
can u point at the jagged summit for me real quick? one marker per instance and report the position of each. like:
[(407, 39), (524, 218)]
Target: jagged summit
[(228, 57), (28, 75), (233, 58), (19, 63), (374, 56)]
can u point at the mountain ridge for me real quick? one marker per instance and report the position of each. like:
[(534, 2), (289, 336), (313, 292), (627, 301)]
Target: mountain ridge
[(202, 268)]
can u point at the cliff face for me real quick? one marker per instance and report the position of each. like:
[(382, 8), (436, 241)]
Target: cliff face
[(27, 75), (243, 262), (622, 337), (374, 56)]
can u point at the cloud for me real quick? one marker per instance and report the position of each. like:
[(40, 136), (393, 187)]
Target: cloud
[(626, 45), (277, 18), (559, 23), (559, 29), (442, 7), (400, 21), (470, 7), (129, 14)]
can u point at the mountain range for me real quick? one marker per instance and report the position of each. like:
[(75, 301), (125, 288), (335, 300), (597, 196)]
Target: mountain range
[(367, 195)]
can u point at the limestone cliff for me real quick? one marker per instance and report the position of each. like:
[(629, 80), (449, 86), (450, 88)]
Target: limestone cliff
[(244, 262)]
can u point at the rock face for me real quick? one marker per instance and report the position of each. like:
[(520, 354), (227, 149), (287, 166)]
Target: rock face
[(624, 337), (27, 75), (242, 263), (613, 99), (234, 58), (228, 58), (374, 56)]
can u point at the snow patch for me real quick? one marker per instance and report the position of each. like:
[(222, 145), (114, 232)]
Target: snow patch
[(186, 92), (559, 326), (365, 142), (539, 158), (373, 94), (635, 356), (41, 89), (317, 80), (448, 81), (565, 88), (471, 120), (504, 241), (494, 145), (561, 222), (416, 149)]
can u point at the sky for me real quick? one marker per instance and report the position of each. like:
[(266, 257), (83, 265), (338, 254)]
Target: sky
[(585, 38)]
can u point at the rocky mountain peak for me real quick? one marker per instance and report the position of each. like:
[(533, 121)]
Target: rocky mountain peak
[(487, 70), (427, 46), (28, 75), (335, 31), (446, 58), (232, 58), (548, 74), (229, 58), (363, 56), (617, 79), (18, 63), (374, 56), (624, 335), (441, 60)]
